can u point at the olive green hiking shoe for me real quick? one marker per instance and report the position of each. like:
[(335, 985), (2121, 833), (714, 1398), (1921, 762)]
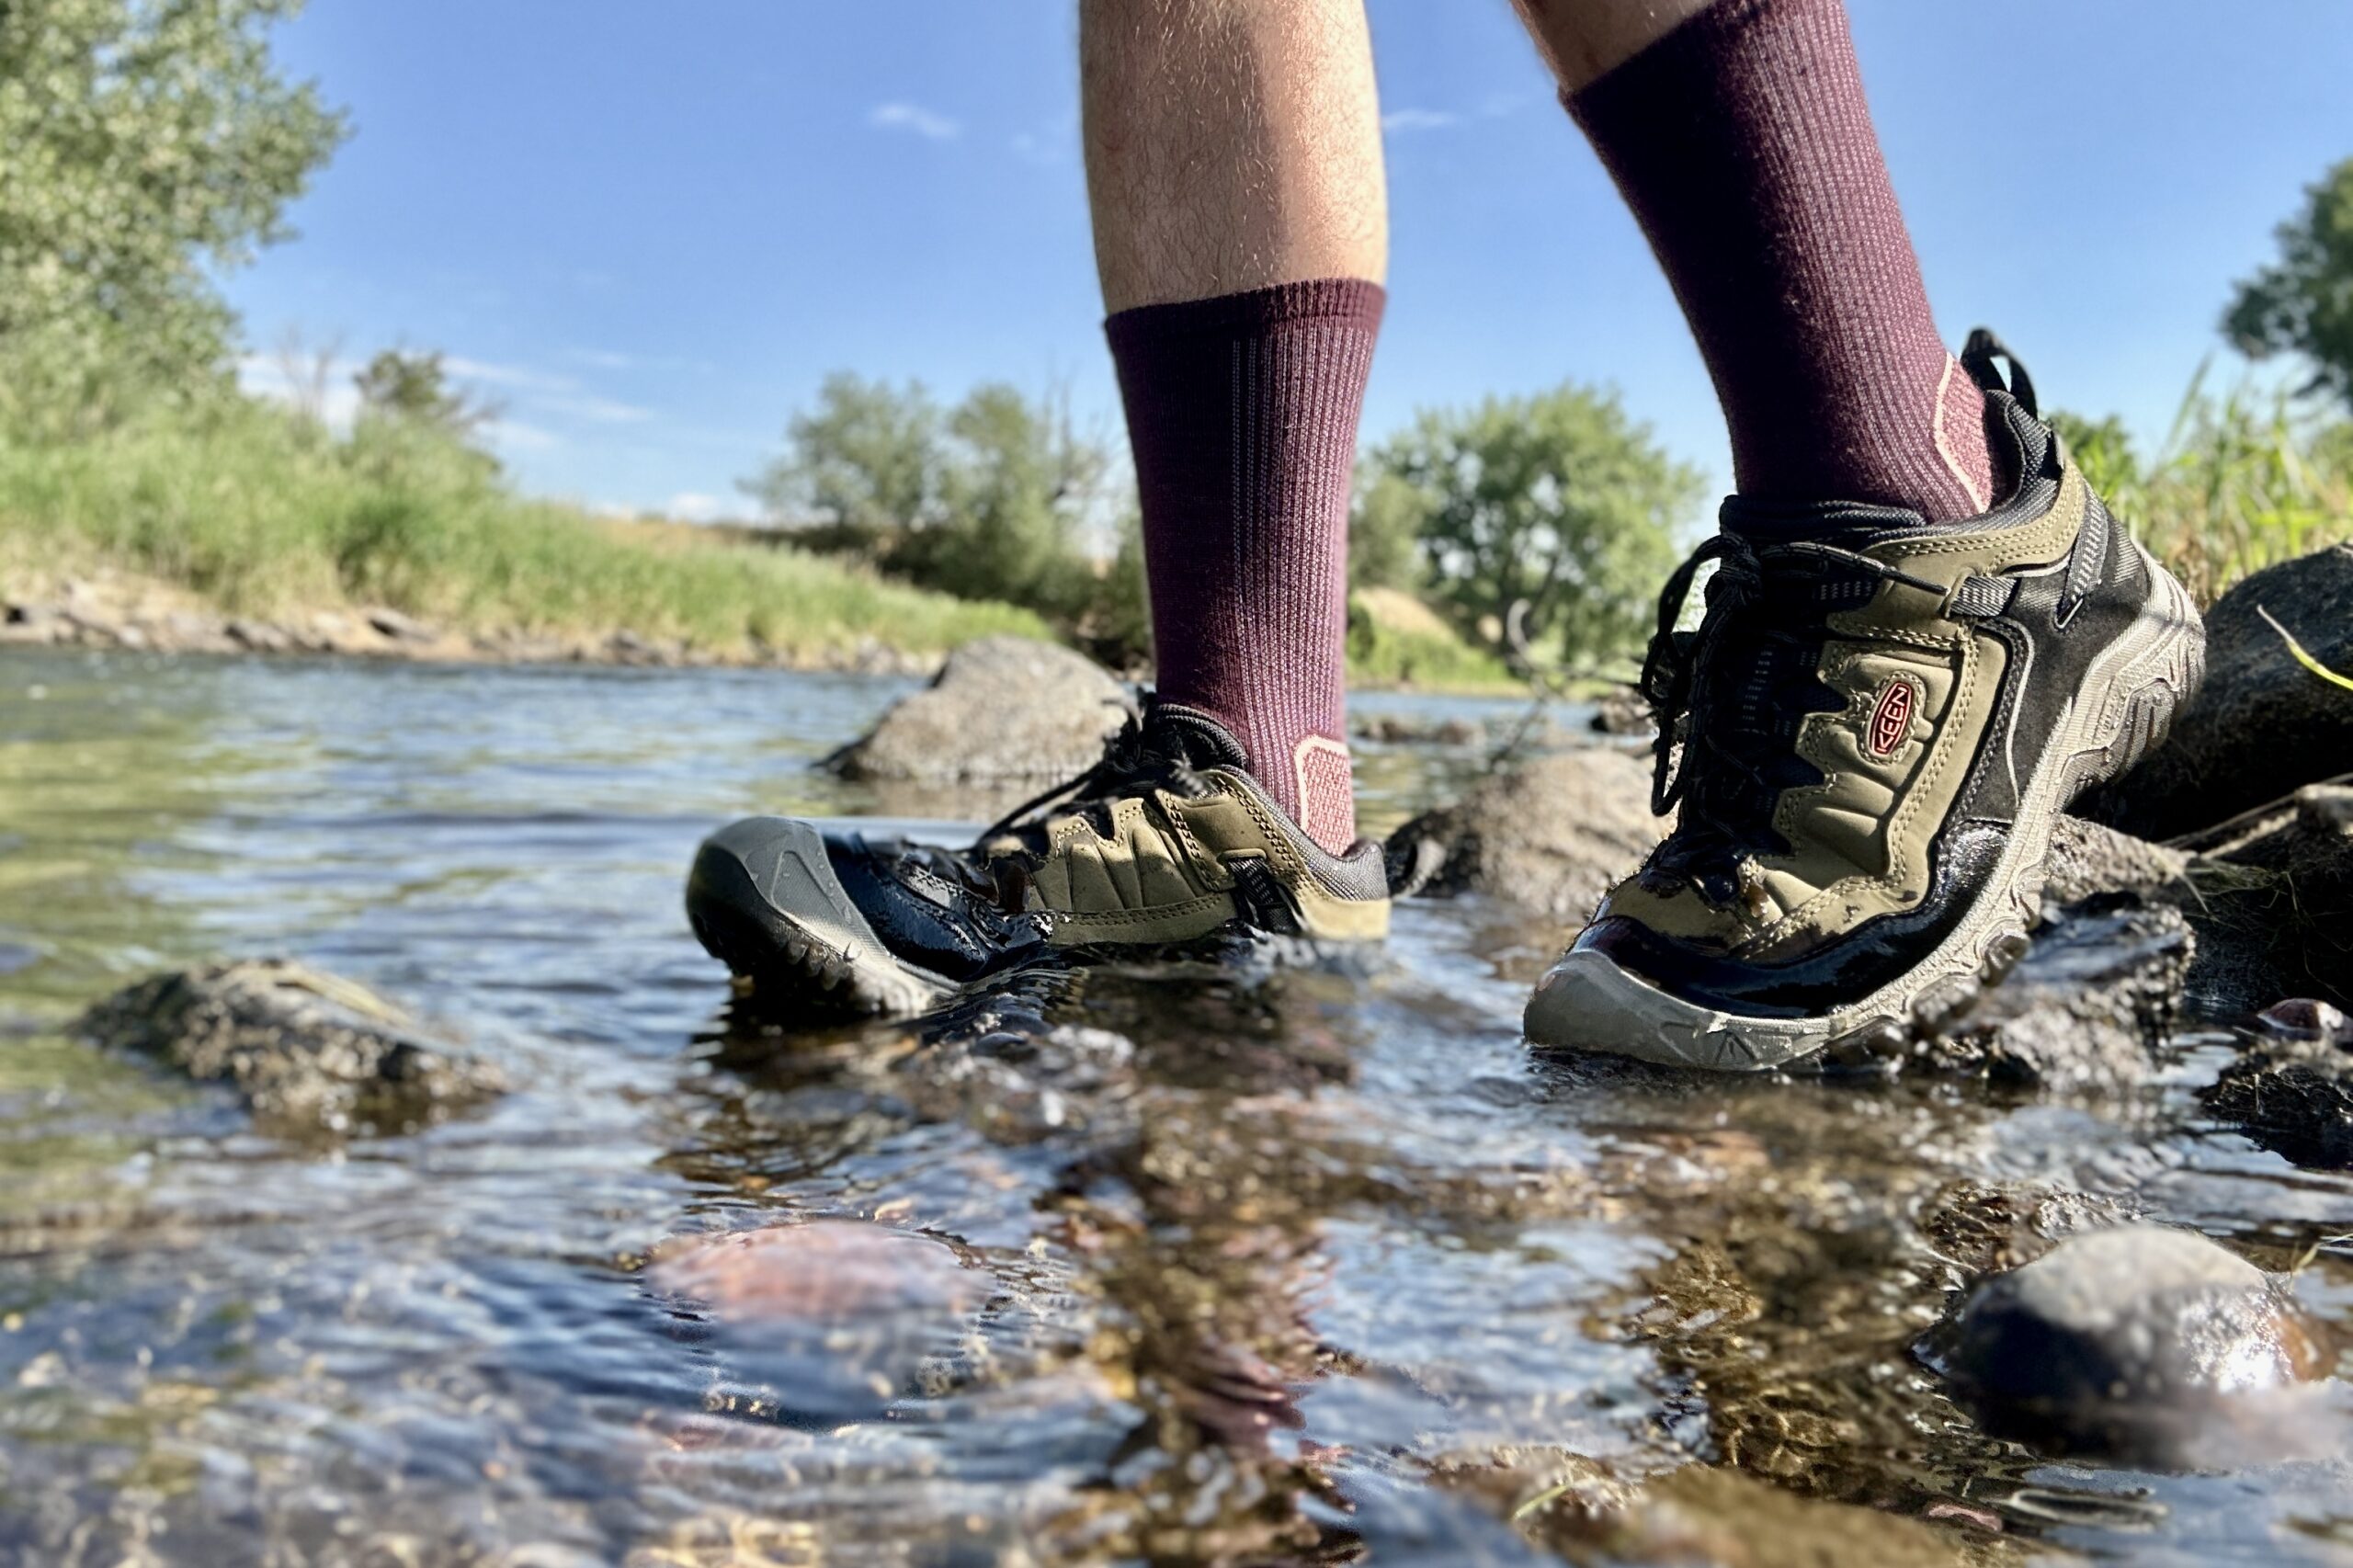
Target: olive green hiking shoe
[(1168, 844), (1868, 737)]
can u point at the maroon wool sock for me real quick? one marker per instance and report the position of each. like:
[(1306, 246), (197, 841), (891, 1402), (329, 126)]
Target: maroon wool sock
[(1741, 142), (1242, 412)]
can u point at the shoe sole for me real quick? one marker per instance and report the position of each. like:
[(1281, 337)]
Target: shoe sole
[(2128, 700), (764, 901)]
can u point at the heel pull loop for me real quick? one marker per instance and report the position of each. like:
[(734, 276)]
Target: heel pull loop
[(1977, 356)]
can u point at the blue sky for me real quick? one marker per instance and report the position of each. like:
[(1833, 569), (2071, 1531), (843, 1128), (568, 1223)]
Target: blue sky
[(649, 231)]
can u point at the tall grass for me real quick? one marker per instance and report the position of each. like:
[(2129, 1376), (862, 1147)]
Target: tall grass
[(2244, 479), (262, 512)]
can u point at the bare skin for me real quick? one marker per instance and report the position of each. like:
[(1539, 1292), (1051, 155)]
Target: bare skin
[(1231, 144)]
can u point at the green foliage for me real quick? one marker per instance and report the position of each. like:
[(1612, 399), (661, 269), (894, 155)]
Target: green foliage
[(2243, 479), (148, 143), (2302, 303), (411, 386), (1386, 653), (1558, 500), (986, 501), (262, 512), (860, 470), (1384, 532)]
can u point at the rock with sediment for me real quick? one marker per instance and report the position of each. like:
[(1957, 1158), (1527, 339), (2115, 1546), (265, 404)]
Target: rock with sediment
[(2261, 724), (1549, 835), (2087, 1005), (2088, 858), (305, 1049), (2129, 1343), (2271, 896), (1002, 709), (2292, 1095)]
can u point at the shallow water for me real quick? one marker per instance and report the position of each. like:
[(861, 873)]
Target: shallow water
[(1297, 1266)]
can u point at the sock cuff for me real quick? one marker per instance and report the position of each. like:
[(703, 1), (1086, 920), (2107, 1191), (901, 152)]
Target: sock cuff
[(1348, 301), (1715, 29)]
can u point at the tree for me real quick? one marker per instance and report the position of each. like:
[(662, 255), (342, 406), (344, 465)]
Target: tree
[(1558, 500), (2302, 303), (986, 501), (1384, 532), (403, 384), (860, 470), (148, 143)]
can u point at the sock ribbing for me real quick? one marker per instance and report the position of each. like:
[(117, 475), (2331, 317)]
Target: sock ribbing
[(1743, 143), (1243, 413)]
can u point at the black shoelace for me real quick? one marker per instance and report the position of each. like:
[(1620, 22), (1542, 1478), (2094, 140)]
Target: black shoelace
[(1733, 691), (1137, 758)]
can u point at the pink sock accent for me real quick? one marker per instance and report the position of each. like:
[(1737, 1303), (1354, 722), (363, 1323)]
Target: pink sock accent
[(1743, 143), (1243, 413)]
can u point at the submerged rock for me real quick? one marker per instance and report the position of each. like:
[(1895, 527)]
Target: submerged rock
[(1550, 836), (301, 1047), (2129, 1342), (2262, 723), (1002, 707)]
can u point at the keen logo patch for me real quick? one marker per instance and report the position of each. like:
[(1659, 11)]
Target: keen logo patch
[(1890, 720)]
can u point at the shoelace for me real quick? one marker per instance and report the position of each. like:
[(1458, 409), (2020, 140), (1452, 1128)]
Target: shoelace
[(1132, 758), (1719, 781)]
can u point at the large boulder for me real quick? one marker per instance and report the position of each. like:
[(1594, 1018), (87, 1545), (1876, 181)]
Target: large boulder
[(2262, 723), (2132, 1342), (306, 1050), (1002, 709), (1550, 836)]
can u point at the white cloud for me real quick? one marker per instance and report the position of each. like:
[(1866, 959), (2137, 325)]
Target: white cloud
[(924, 122), (696, 507), (604, 359), (1400, 121), (595, 410), (513, 376), (322, 388), (517, 436)]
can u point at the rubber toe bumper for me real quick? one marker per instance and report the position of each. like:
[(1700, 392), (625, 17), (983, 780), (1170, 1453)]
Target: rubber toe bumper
[(764, 901)]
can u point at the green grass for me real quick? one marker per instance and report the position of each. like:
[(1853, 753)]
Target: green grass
[(261, 513), (2243, 479)]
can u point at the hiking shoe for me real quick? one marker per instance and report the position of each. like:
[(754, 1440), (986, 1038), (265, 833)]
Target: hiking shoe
[(1870, 735), (1165, 844)]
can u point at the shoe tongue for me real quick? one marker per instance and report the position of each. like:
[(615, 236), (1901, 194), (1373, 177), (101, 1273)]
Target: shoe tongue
[(1175, 730)]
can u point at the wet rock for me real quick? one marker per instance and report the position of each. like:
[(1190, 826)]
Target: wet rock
[(2089, 1004), (823, 1274), (1003, 708), (2300, 1018), (1623, 711), (258, 636), (2126, 1342), (1550, 836), (2294, 1097), (305, 1049), (2087, 859), (1398, 729), (2261, 724), (2274, 903), (400, 627), (826, 1319)]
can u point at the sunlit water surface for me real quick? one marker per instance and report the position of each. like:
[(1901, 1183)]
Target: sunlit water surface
[(1297, 1266)]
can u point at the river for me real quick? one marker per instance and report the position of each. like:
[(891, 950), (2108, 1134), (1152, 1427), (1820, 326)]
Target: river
[(1295, 1267)]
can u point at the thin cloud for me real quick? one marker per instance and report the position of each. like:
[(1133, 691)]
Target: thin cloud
[(696, 507), (511, 375), (1398, 121), (604, 359), (923, 123), (516, 436)]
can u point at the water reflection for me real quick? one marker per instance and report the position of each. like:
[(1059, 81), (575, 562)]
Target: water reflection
[(1270, 1267)]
